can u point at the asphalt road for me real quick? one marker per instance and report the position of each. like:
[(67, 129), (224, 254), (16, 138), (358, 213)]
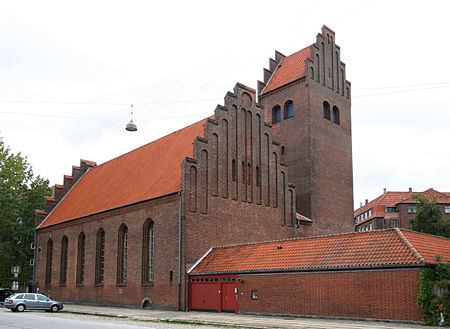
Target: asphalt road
[(44, 320)]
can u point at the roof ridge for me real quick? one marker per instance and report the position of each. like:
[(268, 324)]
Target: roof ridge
[(423, 233), (304, 238), (409, 245)]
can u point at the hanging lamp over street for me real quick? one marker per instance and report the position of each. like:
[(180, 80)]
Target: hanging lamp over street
[(131, 126)]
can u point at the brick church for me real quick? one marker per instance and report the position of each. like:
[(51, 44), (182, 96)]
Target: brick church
[(269, 164)]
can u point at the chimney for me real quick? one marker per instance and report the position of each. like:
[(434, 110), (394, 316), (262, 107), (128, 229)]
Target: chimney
[(384, 190), (367, 201), (360, 204), (410, 189)]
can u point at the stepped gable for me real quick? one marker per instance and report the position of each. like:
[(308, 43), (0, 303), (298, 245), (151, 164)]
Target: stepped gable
[(394, 247), (149, 171)]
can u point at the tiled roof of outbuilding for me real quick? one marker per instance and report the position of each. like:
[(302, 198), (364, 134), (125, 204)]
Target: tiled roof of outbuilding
[(363, 249), (146, 172), (289, 69)]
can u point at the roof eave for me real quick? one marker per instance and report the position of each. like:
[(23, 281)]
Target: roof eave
[(320, 269)]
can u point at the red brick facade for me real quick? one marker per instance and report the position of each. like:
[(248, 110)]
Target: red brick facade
[(318, 150), (376, 294), (224, 180)]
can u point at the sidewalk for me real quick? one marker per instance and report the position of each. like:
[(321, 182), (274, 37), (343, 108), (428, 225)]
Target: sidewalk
[(238, 320)]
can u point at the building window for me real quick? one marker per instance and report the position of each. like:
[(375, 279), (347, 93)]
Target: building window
[(148, 252), (49, 261), (326, 111), (254, 294), (336, 115), (447, 209), (412, 209), (370, 227), (276, 114), (393, 223), (100, 257), (63, 263), (122, 254), (233, 170), (258, 177), (390, 209), (288, 109), (81, 257)]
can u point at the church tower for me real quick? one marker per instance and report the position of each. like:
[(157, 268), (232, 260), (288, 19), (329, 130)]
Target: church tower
[(306, 97)]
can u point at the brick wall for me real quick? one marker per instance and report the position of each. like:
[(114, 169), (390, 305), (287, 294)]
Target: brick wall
[(164, 213), (378, 294), (318, 151)]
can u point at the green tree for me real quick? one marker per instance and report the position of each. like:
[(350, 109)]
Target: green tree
[(21, 193), (429, 218)]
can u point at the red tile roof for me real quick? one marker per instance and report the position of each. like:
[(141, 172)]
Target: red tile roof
[(289, 69), (391, 199), (394, 247), (146, 172), (430, 194)]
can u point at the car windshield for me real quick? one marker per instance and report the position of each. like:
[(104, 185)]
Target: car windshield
[(14, 295)]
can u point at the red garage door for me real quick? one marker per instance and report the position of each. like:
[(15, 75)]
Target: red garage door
[(203, 294), (216, 294)]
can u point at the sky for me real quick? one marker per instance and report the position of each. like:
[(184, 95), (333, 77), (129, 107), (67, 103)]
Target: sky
[(69, 72)]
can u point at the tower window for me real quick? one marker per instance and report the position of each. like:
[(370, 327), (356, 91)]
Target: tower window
[(336, 114), (276, 114), (326, 110), (288, 109)]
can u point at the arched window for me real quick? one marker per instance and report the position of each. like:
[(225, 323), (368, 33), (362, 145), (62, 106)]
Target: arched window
[(63, 263), (326, 110), (336, 115), (276, 114), (288, 109), (100, 257), (148, 252), (48, 262), (122, 254), (81, 258)]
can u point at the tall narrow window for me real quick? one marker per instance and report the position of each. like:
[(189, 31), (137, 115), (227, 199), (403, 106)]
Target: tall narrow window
[(249, 173), (326, 110), (288, 109), (276, 114), (122, 254), (148, 252), (258, 177), (193, 185), (100, 257), (233, 170), (63, 263), (336, 114), (81, 257), (48, 262)]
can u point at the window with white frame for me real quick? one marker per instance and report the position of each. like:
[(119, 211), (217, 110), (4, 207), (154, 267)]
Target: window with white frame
[(412, 209), (447, 209)]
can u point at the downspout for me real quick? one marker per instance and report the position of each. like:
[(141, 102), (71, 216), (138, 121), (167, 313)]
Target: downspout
[(180, 241), (33, 286)]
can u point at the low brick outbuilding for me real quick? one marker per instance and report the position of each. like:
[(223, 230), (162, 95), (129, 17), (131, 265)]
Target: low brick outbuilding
[(356, 275)]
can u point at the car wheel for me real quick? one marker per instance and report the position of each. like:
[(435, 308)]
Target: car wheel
[(54, 308), (20, 308)]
